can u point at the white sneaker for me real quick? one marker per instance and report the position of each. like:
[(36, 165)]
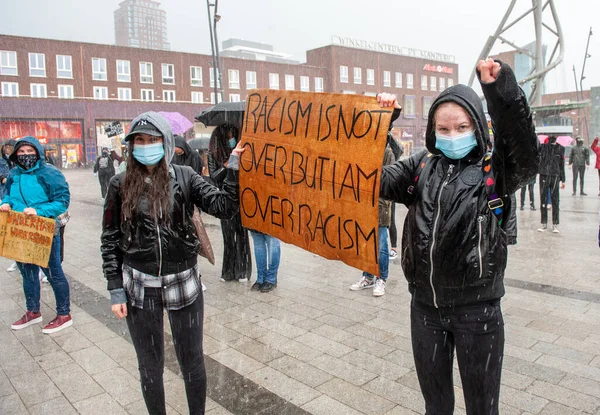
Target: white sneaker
[(42, 276), (243, 280), (203, 286), (393, 254), (379, 289), (555, 229), (363, 283), (543, 228), (13, 267)]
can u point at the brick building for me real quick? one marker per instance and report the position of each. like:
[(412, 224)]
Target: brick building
[(66, 92)]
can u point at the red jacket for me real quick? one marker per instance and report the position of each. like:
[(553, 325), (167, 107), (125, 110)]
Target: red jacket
[(596, 149)]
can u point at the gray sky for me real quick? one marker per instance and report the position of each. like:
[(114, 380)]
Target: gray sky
[(455, 27)]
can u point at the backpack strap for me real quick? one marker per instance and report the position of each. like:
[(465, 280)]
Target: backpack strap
[(495, 202), (418, 172)]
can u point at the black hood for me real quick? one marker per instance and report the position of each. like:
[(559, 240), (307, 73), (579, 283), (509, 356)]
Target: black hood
[(468, 99), (182, 144)]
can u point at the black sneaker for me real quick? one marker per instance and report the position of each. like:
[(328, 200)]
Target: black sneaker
[(582, 194), (256, 286), (522, 208), (267, 286)]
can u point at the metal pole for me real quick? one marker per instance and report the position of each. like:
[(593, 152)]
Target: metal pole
[(581, 78), (578, 99), (217, 51), (212, 46), (536, 97)]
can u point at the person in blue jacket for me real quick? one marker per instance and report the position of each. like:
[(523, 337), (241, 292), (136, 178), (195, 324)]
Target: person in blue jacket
[(36, 188)]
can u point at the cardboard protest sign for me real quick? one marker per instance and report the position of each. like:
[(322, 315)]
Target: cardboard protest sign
[(26, 238), (310, 174)]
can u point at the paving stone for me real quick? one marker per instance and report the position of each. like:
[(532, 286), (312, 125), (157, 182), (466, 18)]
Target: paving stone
[(534, 370), (401, 358), (99, 405), (522, 400), (237, 361), (372, 333), (569, 366), (515, 380), (324, 405), (117, 348), (72, 341), (93, 360), (281, 327), (323, 344), (95, 331), (220, 333), (74, 383), (376, 365), (582, 346), (583, 385), (554, 408), (120, 384), (210, 345), (564, 396), (336, 321), (563, 352), (521, 353), (246, 328), (17, 361), (34, 389), (284, 386), (308, 324), (356, 397), (256, 350), (333, 333), (40, 344), (11, 404), (58, 405), (367, 345), (562, 329), (54, 359), (397, 393), (300, 371), (175, 395), (343, 369), (290, 347)]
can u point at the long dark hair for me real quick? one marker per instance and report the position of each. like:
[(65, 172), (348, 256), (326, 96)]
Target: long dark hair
[(218, 147), (157, 189)]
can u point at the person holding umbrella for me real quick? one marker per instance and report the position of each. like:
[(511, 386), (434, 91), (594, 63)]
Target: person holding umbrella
[(237, 261)]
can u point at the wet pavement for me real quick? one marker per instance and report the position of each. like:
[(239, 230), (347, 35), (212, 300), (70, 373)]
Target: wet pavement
[(311, 346)]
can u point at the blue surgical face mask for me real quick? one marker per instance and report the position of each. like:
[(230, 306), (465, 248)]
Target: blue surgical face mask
[(232, 143), (456, 147), (148, 154)]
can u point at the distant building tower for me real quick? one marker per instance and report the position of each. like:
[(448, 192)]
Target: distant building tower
[(141, 24)]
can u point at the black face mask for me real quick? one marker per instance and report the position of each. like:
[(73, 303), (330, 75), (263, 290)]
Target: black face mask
[(27, 161), (552, 140)]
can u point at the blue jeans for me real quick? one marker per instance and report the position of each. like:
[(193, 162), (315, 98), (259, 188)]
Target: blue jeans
[(384, 255), (56, 278), (266, 253)]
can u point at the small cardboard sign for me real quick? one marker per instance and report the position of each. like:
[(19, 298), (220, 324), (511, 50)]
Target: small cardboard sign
[(26, 238)]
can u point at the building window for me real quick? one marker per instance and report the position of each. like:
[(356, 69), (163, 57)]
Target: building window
[(37, 64), (64, 66), (196, 75), (99, 69), (123, 71), (124, 94), (358, 75), (423, 82), (8, 62), (370, 76), (10, 89), (250, 80), (450, 82), (212, 97), (398, 79), (387, 79), (168, 74), (38, 91), (304, 84), (213, 71), (168, 96), (234, 97), (432, 83), (66, 92), (410, 82), (100, 92), (274, 80), (234, 78), (318, 84), (442, 83), (147, 95), (146, 75), (289, 82), (409, 106), (197, 97), (427, 101), (344, 74)]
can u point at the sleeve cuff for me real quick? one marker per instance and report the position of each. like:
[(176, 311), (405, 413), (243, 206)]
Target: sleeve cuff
[(117, 296), (234, 162)]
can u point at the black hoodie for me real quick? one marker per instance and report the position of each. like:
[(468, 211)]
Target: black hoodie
[(453, 246), (189, 157)]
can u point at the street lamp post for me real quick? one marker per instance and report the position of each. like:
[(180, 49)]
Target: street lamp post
[(212, 46), (581, 78)]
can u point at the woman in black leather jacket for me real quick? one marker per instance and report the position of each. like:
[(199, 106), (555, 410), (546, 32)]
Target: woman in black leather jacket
[(150, 250), (454, 245)]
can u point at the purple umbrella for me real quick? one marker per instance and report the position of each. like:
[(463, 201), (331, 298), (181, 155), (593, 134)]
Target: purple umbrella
[(179, 124)]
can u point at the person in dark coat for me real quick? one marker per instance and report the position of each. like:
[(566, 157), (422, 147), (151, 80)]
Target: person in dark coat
[(552, 173), (397, 151), (579, 157), (237, 259), (186, 156), (454, 246), (105, 169)]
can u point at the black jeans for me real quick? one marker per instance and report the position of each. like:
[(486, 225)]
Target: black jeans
[(477, 333), (578, 171), (237, 260), (531, 196), (104, 179), (551, 183), (147, 332), (393, 229)]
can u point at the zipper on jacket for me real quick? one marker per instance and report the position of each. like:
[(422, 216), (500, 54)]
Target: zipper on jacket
[(479, 226), (159, 250), (435, 223)]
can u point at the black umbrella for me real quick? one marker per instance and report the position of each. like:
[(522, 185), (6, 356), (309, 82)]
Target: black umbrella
[(199, 143), (223, 113)]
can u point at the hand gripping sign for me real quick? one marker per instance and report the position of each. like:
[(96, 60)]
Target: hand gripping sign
[(26, 238), (310, 174)]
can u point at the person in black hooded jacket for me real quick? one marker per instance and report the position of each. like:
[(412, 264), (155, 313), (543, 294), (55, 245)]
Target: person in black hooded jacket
[(186, 156), (454, 247)]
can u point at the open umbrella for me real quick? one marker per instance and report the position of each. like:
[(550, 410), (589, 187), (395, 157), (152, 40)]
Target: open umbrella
[(179, 124), (564, 140), (223, 112), (199, 143)]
